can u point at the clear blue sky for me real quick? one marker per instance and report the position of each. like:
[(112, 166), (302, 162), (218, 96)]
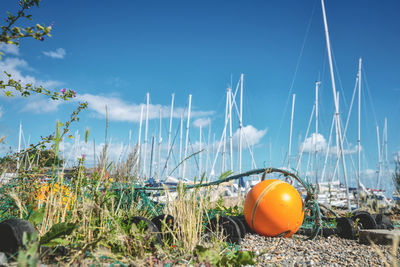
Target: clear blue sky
[(114, 52)]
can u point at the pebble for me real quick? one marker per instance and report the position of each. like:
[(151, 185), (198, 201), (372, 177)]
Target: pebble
[(3, 259), (330, 251)]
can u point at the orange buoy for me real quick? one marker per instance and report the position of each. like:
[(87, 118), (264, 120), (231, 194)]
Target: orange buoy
[(274, 207)]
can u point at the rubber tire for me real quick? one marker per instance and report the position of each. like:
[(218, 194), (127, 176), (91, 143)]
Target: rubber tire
[(149, 226), (228, 227), (242, 228), (160, 221), (11, 233), (365, 221), (345, 228), (383, 221), (243, 220)]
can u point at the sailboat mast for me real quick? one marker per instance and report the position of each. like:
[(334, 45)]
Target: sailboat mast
[(159, 149), (385, 140), (359, 135), (230, 129), (208, 146), (223, 154), (240, 123), (328, 47), (327, 150), (151, 157), (145, 133), (379, 158), (200, 154), (139, 138), (180, 145), (240, 182), (316, 132), (291, 130), (169, 131), (19, 146), (187, 136)]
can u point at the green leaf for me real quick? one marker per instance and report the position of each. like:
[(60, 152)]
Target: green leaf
[(37, 216), (245, 258), (32, 249), (39, 27), (207, 255), (57, 242), (57, 230)]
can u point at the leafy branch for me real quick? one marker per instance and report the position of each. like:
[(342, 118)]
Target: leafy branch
[(50, 138), (11, 33), (28, 88)]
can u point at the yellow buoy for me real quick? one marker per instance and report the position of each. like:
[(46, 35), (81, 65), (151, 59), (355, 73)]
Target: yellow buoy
[(273, 208)]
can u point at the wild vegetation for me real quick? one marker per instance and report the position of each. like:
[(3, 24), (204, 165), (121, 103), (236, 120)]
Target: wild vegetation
[(86, 216)]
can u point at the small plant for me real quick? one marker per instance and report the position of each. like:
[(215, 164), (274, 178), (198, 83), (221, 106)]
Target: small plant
[(28, 255), (224, 258), (220, 208)]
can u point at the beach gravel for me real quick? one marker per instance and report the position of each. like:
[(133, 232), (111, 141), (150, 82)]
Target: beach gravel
[(329, 251)]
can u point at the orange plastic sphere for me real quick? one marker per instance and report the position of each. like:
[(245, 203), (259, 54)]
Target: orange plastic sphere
[(274, 208)]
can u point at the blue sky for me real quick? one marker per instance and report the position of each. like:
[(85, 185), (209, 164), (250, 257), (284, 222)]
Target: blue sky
[(114, 52)]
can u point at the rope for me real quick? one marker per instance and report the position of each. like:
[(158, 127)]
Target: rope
[(132, 193), (310, 202)]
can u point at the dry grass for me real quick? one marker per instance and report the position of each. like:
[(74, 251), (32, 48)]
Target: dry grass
[(392, 261), (188, 209)]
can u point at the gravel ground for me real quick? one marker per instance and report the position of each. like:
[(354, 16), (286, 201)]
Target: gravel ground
[(330, 251)]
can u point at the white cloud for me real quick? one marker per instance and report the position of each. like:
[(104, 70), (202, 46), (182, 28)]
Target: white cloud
[(71, 151), (1, 112), (40, 104), (16, 67), (368, 174), (316, 141), (119, 110), (346, 151), (251, 136), (58, 53), (9, 49), (201, 122)]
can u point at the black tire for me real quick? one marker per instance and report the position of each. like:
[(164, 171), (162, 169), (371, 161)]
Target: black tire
[(345, 228), (244, 222), (227, 226), (148, 227), (357, 212), (11, 233), (364, 221), (164, 220), (242, 228), (383, 221)]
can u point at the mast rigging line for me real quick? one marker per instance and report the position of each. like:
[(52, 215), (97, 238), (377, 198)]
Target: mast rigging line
[(296, 70), (173, 142), (310, 201), (370, 95), (170, 151)]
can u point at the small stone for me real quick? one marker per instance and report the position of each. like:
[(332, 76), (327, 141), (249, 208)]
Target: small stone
[(3, 259)]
